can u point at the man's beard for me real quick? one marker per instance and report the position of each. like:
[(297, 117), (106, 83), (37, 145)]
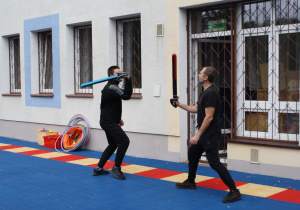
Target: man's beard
[(201, 82)]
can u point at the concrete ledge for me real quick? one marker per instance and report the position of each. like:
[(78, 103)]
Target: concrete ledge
[(264, 169)]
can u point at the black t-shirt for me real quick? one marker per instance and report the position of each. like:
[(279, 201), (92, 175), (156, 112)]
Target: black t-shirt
[(209, 98)]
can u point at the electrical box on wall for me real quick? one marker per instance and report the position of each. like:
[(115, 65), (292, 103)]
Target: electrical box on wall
[(156, 92), (159, 29)]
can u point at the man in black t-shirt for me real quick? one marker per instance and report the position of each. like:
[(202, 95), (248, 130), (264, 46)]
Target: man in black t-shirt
[(207, 138)]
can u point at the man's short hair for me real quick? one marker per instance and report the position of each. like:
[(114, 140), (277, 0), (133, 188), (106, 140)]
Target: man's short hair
[(111, 69), (211, 72)]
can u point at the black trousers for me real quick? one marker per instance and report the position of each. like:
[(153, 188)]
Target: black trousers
[(117, 139), (194, 154)]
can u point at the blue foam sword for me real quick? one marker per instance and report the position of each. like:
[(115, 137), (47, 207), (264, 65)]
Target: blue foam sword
[(120, 74)]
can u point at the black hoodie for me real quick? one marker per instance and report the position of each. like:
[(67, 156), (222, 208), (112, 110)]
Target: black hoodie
[(111, 100)]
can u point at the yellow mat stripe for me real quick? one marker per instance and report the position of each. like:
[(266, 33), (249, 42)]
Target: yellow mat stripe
[(259, 190), (51, 155), (183, 176), (21, 149), (85, 162), (133, 169)]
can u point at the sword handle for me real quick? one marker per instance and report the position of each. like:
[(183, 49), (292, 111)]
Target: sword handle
[(122, 74), (172, 100)]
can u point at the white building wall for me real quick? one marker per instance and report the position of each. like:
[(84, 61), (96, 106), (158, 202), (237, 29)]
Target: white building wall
[(155, 128), (145, 119)]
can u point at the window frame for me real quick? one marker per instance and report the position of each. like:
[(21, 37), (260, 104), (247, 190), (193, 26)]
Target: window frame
[(77, 63), (12, 66), (42, 62), (120, 55)]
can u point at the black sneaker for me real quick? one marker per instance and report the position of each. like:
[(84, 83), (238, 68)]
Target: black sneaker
[(98, 172), (118, 173), (186, 185), (232, 196)]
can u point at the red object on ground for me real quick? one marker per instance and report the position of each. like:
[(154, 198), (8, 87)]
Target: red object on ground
[(49, 141)]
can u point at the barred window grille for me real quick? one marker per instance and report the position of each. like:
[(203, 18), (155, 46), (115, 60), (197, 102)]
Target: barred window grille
[(255, 46), (210, 44), (268, 47), (129, 50), (14, 64), (83, 55), (45, 62)]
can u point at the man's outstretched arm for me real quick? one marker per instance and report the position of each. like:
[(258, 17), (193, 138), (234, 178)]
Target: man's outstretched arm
[(188, 108)]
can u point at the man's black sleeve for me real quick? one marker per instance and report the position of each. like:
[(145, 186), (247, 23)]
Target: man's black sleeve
[(117, 92), (212, 100), (127, 89)]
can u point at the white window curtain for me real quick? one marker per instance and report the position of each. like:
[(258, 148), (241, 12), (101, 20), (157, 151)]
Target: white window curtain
[(14, 62), (45, 61), (83, 58)]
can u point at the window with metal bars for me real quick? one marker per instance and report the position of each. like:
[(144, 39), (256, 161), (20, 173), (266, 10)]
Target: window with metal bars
[(129, 50), (268, 49), (14, 64), (255, 46), (45, 62), (83, 55)]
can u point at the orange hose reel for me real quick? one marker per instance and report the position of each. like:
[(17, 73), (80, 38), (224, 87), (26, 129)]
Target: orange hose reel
[(72, 137)]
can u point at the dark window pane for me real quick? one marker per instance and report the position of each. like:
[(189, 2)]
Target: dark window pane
[(289, 67), (287, 12), (211, 20), (256, 64), (257, 15), (256, 121), (131, 36), (289, 123)]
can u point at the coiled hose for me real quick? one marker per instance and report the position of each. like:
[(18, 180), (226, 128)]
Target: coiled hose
[(75, 135)]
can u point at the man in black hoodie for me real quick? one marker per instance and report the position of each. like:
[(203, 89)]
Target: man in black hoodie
[(111, 122)]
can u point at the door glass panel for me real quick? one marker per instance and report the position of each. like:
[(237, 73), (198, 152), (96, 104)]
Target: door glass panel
[(289, 67), (289, 123), (211, 20), (257, 14), (287, 12), (256, 121), (256, 64), (216, 52)]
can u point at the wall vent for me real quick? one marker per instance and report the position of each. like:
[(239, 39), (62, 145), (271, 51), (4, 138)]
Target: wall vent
[(254, 155), (159, 29)]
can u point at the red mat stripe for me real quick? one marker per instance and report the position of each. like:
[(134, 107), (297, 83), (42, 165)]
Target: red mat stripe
[(35, 152), (68, 158), (217, 183), (287, 195), (158, 173), (8, 147)]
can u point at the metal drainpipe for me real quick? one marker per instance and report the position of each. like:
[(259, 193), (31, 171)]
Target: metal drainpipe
[(188, 76)]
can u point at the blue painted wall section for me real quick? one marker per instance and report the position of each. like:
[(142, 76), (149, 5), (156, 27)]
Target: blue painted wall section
[(31, 25)]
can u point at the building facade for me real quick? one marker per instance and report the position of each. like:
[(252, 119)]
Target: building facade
[(49, 48)]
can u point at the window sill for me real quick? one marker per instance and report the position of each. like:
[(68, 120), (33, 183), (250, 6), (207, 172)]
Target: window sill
[(80, 95), (42, 95), (272, 143), (12, 94), (136, 96)]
